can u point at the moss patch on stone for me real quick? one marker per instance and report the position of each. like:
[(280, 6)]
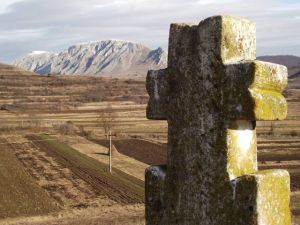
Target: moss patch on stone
[(269, 76), (269, 105)]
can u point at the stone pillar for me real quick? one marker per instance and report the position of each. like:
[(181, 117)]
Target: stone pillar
[(211, 94)]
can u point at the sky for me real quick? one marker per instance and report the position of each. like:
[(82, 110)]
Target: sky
[(54, 25)]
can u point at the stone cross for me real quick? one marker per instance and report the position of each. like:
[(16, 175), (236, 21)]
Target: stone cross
[(211, 94)]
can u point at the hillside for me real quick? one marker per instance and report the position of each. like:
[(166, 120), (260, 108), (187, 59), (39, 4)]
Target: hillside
[(12, 70), (96, 58), (290, 61)]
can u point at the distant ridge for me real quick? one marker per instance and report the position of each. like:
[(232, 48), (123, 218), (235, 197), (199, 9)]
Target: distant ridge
[(294, 76), (290, 61), (111, 57)]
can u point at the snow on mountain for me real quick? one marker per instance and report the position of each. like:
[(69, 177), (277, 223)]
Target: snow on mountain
[(36, 61), (109, 57)]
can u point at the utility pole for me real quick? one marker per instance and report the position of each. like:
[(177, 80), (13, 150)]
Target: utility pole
[(110, 150)]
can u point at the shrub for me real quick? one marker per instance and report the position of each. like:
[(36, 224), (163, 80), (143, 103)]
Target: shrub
[(67, 128), (83, 132)]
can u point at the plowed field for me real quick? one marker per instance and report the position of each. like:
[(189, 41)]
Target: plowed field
[(117, 186), (19, 195), (144, 151)]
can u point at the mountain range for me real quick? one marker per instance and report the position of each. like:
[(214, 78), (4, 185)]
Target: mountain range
[(113, 57), (109, 57)]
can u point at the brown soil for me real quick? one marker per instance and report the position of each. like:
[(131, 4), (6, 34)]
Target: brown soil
[(144, 151), (19, 194)]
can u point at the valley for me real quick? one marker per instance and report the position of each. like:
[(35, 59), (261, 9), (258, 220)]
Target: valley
[(53, 128)]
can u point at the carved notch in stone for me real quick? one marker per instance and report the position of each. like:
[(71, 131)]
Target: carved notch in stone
[(212, 93)]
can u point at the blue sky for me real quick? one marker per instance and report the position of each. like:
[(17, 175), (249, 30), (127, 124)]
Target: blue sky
[(53, 25)]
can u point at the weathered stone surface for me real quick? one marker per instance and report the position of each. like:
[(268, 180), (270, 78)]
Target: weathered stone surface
[(157, 88), (238, 39), (212, 94), (258, 93), (265, 198), (154, 193)]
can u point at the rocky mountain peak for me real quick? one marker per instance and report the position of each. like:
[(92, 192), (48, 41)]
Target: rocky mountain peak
[(109, 57)]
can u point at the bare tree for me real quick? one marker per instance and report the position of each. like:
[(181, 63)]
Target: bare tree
[(107, 119)]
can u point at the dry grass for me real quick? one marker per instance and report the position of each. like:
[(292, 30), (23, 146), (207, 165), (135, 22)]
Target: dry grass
[(119, 161), (106, 215)]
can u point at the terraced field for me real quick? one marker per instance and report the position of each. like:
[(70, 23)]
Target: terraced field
[(37, 102)]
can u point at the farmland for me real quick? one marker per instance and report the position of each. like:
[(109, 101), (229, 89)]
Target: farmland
[(53, 127), (118, 186), (20, 196)]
